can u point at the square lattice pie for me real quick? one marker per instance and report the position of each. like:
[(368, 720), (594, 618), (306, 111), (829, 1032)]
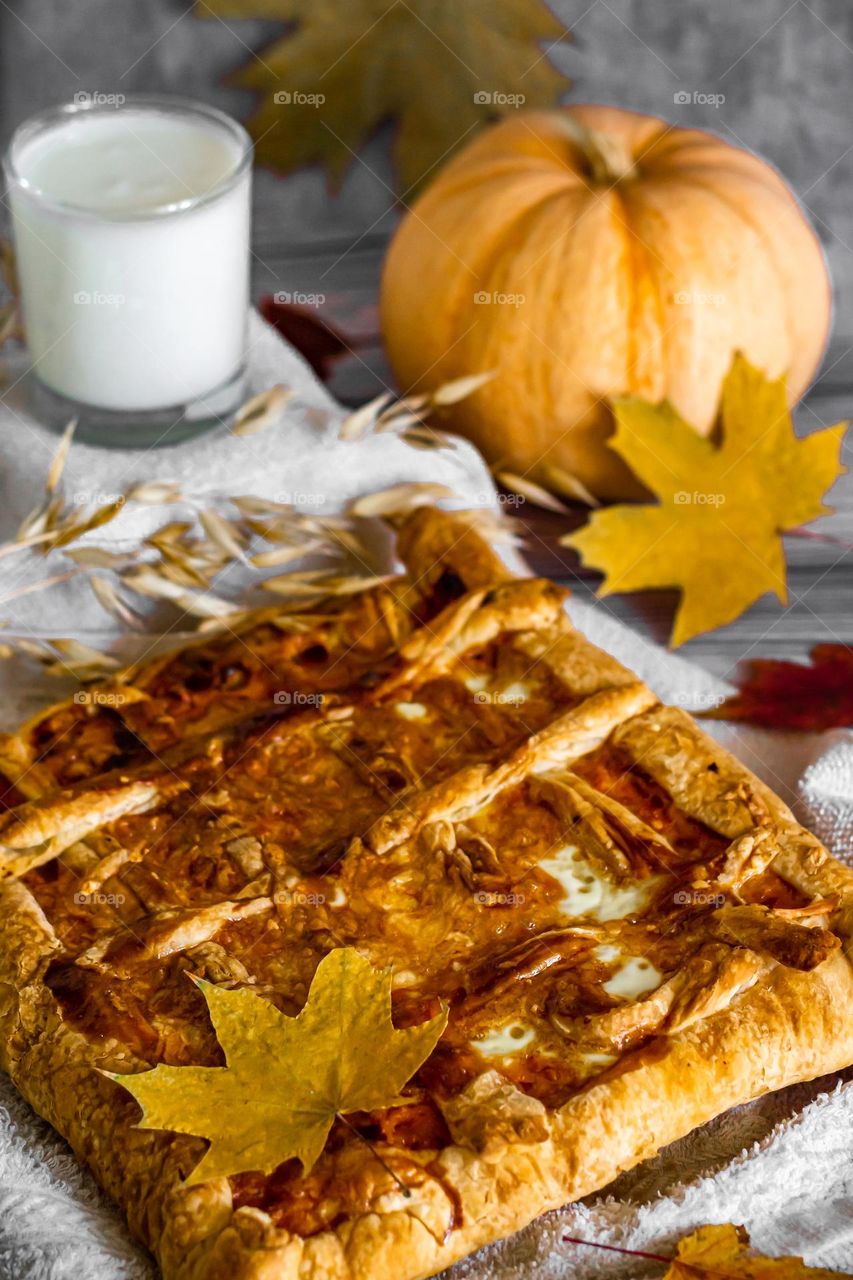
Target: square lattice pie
[(631, 933)]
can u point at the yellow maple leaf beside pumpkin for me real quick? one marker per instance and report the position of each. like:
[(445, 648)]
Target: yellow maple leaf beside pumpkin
[(714, 532)]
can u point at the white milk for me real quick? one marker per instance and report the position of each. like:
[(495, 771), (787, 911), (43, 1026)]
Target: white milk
[(132, 232)]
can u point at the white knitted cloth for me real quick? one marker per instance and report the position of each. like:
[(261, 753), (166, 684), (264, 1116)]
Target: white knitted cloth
[(781, 1166), (827, 791)]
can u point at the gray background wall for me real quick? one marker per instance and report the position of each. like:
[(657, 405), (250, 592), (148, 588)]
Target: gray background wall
[(785, 70)]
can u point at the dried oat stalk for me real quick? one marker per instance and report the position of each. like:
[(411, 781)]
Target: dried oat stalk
[(409, 417), (558, 480), (261, 411), (185, 562)]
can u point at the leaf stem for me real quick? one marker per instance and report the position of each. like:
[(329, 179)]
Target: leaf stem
[(812, 535), (612, 1248), (400, 1183)]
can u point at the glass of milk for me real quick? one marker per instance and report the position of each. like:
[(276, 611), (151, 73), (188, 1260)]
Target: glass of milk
[(131, 228)]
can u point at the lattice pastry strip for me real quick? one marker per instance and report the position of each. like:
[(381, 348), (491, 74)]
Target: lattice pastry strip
[(268, 656), (631, 932), (499, 674)]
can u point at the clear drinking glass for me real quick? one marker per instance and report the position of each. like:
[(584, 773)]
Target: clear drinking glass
[(131, 227)]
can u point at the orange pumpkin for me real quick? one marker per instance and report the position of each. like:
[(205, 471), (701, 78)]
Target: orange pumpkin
[(591, 252)]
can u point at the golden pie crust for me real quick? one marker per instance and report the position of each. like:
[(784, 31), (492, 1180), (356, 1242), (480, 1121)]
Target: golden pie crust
[(631, 932)]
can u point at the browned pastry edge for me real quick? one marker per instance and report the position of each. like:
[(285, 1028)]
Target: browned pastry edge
[(791, 1026)]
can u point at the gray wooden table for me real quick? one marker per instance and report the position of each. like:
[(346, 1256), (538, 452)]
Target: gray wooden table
[(820, 576)]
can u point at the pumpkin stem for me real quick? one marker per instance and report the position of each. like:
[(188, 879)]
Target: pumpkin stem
[(609, 160)]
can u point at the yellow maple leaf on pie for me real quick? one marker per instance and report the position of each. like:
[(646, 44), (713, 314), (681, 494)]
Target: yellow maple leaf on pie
[(722, 502), (723, 1253), (286, 1079), (438, 69)]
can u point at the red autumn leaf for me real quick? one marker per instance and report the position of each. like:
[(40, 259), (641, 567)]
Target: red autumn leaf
[(793, 695), (318, 341)]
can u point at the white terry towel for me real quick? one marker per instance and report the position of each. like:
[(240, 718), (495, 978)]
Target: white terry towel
[(780, 1166)]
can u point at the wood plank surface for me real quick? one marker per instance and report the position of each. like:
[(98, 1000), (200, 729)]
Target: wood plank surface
[(345, 277)]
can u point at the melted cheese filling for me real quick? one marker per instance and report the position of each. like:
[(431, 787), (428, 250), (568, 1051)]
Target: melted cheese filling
[(411, 710), (587, 893), (475, 683), (598, 1060), (505, 1041), (633, 978)]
